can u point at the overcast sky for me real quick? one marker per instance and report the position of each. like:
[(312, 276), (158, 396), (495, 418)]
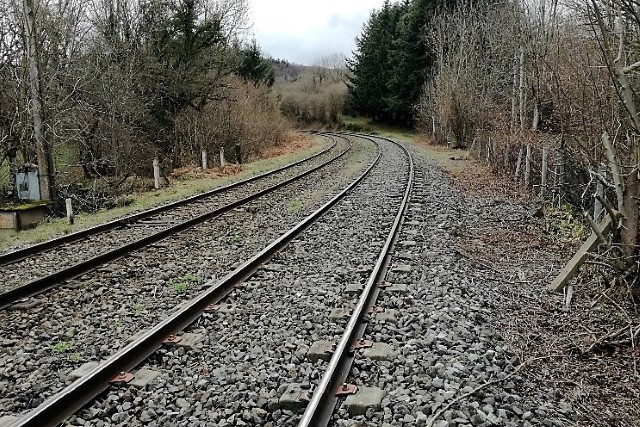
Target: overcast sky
[(303, 31)]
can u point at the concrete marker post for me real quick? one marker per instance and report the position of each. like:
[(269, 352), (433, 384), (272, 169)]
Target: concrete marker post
[(222, 163), (70, 216), (156, 173), (204, 160)]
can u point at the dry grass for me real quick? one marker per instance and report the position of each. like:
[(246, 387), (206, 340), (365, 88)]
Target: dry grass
[(186, 182)]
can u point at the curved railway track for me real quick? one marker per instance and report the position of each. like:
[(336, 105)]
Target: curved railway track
[(333, 384), (323, 399), (166, 222), (30, 251)]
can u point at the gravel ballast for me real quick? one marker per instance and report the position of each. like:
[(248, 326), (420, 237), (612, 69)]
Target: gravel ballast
[(42, 264), (475, 339), (255, 347), (451, 368), (96, 314)]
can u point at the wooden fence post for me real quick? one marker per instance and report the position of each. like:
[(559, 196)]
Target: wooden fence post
[(545, 169), (489, 150), (519, 164), (559, 176), (598, 209), (527, 168)]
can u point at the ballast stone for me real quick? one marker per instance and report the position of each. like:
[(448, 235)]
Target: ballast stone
[(386, 316), (293, 398), (379, 351), (354, 289), (338, 314), (227, 308), (190, 340), (399, 288), (402, 268)]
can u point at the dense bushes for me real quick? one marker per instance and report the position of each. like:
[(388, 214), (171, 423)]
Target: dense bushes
[(314, 94)]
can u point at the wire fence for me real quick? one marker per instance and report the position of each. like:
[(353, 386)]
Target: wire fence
[(550, 170)]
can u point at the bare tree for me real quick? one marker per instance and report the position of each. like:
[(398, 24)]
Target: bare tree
[(45, 156), (616, 26)]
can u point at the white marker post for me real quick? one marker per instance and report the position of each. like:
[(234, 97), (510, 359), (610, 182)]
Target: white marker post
[(222, 163), (204, 160), (70, 216), (156, 173)]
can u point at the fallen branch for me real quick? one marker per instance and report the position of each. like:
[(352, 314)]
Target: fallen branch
[(485, 385), (608, 338), (477, 261)]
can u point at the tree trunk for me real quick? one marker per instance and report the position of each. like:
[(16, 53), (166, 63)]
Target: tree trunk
[(521, 94), (45, 159), (514, 94), (630, 233)]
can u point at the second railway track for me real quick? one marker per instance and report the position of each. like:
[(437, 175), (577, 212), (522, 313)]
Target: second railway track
[(105, 244)]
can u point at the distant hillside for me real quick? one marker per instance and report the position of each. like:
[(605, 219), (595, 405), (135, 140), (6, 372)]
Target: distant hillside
[(287, 71)]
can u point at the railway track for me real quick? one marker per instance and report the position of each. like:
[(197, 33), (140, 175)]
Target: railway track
[(116, 239), (29, 327), (391, 208), (140, 217), (400, 317)]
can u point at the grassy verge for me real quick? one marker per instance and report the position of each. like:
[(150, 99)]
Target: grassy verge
[(186, 186)]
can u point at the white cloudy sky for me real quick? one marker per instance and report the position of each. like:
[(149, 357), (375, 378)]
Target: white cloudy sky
[(303, 31)]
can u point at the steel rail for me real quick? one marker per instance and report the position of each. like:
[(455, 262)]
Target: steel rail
[(21, 254), (323, 402), (45, 283), (59, 407)]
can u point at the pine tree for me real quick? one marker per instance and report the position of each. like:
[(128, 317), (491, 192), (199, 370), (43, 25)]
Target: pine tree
[(392, 61), (411, 60), (368, 85), (254, 67)]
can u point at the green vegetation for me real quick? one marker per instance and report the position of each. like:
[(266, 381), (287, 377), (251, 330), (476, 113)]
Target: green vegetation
[(254, 67), (61, 347), (74, 357), (313, 95), (181, 285), (24, 206), (391, 62), (566, 223), (363, 125), (294, 206), (235, 240)]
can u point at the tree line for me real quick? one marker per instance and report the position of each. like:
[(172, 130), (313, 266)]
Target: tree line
[(98, 89), (514, 73)]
